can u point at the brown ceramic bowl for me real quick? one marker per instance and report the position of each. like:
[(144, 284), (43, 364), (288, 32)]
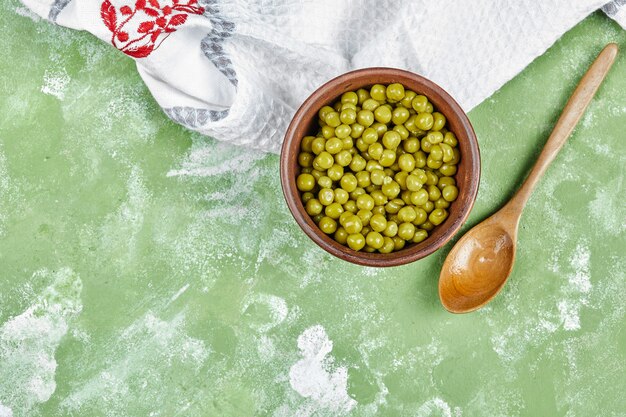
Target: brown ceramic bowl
[(467, 177)]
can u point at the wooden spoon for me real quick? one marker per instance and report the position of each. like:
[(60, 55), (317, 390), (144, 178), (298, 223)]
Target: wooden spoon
[(480, 263)]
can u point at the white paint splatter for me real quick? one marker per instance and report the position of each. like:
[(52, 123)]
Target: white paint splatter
[(437, 407), (28, 343), (134, 359), (178, 294), (581, 278), (314, 377), (55, 82), (607, 210), (277, 307), (5, 411), (569, 312), (201, 160)]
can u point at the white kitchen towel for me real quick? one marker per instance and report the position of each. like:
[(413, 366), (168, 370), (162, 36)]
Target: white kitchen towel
[(237, 70)]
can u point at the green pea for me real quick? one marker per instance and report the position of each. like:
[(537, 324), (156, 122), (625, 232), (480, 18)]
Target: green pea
[(353, 224), (324, 111), (439, 121), (400, 115), (341, 236), (325, 182), (420, 159), (390, 188), (305, 145), (334, 145), (350, 97), (431, 178), (378, 222), (441, 203), (398, 243), (356, 130), (328, 132), (305, 159), (406, 196), (356, 241), (364, 215), (450, 193), (437, 216), (318, 145), (375, 150), (363, 179), (337, 106), (332, 119), (391, 229), (335, 172), (391, 140), (420, 236), (305, 182), (350, 206), (429, 206), (402, 131), (406, 162), (382, 114), (328, 225), (395, 92), (314, 207), (387, 245), (343, 158), (406, 231), (450, 139), (429, 107), (348, 182), (379, 210), (434, 137), (361, 145), (380, 128), (380, 199), (342, 131), (436, 153), (346, 106), (400, 178), (423, 121), (419, 197), (378, 92), (447, 152), (370, 104), (372, 165), (426, 145), (317, 174), (377, 176), (387, 158), (365, 202), (420, 216), (447, 170), (341, 195), (333, 210), (326, 196), (411, 145), (427, 225), (374, 240), (413, 183), (358, 163), (370, 136), (365, 118), (363, 95), (419, 103), (347, 116), (407, 214), (434, 193), (306, 170), (394, 206), (306, 196), (444, 181), (408, 98)]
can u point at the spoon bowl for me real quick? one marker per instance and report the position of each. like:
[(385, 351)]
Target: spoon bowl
[(479, 264)]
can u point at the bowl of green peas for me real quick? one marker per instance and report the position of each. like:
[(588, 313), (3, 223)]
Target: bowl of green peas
[(380, 167)]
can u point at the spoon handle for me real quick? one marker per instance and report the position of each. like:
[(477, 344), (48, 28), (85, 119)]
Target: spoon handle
[(573, 111)]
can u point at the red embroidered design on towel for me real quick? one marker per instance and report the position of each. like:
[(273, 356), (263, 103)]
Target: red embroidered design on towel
[(140, 30)]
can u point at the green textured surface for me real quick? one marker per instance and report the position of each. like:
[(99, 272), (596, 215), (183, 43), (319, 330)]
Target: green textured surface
[(149, 271)]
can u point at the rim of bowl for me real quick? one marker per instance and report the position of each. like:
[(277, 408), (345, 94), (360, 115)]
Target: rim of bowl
[(305, 117)]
